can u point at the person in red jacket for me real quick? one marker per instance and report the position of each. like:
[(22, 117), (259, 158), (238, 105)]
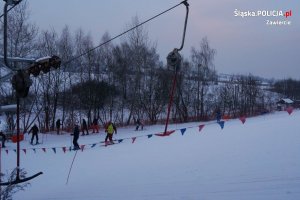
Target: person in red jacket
[(95, 125)]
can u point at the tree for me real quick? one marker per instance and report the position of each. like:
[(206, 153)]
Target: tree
[(6, 192), (202, 63)]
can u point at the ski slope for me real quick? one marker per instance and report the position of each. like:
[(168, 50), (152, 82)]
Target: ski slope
[(256, 160)]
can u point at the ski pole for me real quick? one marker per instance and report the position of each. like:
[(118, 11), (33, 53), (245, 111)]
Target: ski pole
[(71, 167)]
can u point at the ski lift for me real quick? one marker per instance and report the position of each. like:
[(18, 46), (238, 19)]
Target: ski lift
[(174, 62), (18, 180)]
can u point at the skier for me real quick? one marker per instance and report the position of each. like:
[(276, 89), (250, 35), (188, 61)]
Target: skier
[(139, 124), (110, 129), (218, 115), (76, 137), (34, 131), (95, 125), (58, 126), (84, 127), (3, 138)]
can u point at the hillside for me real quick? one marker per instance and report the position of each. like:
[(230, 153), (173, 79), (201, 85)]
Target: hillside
[(255, 160)]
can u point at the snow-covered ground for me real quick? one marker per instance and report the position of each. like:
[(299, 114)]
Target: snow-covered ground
[(256, 160)]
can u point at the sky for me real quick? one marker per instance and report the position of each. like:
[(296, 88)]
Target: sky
[(243, 44), (255, 160)]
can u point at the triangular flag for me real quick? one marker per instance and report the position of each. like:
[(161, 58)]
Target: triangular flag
[(64, 149), (183, 131), (44, 149), (34, 150), (149, 136), (6, 151), (201, 127), (82, 147), (120, 140), (243, 119), (24, 150), (93, 145), (133, 139), (290, 110), (54, 150), (221, 123), (15, 150)]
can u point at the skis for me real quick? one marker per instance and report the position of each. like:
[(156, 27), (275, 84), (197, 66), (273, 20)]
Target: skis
[(35, 144)]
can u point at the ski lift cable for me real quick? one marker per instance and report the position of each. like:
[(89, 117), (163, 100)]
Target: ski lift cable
[(11, 8), (117, 36)]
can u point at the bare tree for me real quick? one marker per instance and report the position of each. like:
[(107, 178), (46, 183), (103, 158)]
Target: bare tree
[(202, 60), (7, 192)]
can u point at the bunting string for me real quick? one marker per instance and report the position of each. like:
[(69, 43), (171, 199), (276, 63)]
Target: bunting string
[(83, 147)]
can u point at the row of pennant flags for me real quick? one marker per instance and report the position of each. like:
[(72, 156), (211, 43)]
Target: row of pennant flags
[(133, 139)]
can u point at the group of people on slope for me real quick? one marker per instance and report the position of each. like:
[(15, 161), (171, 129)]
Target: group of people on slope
[(84, 126), (34, 130), (110, 129)]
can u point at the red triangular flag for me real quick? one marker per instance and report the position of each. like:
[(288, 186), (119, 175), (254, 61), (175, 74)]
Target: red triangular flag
[(82, 147), (24, 150), (201, 127), (243, 119), (64, 149), (289, 110), (133, 139), (44, 149)]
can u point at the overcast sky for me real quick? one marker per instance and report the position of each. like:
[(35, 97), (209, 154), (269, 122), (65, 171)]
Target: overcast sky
[(244, 45)]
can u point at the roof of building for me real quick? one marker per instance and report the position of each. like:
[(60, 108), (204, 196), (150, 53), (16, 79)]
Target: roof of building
[(286, 100)]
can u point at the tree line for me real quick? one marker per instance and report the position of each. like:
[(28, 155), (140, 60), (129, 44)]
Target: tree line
[(123, 81)]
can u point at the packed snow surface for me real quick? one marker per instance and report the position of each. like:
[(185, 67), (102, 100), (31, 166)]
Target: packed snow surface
[(256, 160)]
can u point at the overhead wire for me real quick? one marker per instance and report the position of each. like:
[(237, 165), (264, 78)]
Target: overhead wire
[(117, 36), (10, 8)]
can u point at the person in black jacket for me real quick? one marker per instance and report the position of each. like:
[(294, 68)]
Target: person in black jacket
[(3, 138), (58, 123), (34, 131), (95, 125), (76, 137), (84, 127), (139, 124)]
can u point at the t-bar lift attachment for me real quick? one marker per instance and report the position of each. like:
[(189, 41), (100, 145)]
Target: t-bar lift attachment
[(174, 62)]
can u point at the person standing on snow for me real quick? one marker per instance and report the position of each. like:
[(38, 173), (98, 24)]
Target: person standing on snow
[(34, 131), (58, 126), (110, 129), (218, 115), (3, 138), (95, 126), (84, 127), (139, 124), (76, 137)]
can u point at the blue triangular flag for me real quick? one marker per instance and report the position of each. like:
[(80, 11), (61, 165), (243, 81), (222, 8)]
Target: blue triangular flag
[(93, 145), (54, 149), (183, 131), (150, 136), (221, 123), (120, 140)]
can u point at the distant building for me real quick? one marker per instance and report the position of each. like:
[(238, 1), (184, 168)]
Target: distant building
[(282, 104)]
